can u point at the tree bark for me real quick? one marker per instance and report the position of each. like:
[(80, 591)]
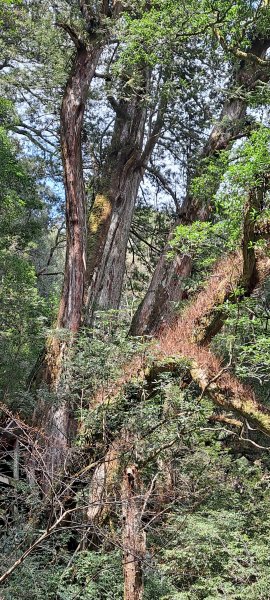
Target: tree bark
[(57, 420), (71, 120), (134, 544), (72, 112), (89, 46), (251, 234), (93, 271), (164, 290), (71, 303), (166, 286), (111, 215)]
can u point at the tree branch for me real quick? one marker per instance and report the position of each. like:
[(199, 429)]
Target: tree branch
[(74, 36), (237, 52), (20, 131), (105, 76), (121, 113), (137, 235), (36, 131), (39, 540), (165, 184), (155, 133), (56, 244)]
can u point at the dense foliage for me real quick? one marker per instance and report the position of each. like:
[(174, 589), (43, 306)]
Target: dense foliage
[(134, 467)]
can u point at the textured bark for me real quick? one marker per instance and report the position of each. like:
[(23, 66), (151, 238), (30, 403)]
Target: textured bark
[(71, 120), (89, 47), (164, 291), (107, 255), (57, 419), (72, 112), (250, 235), (134, 543), (158, 303), (110, 218), (107, 236)]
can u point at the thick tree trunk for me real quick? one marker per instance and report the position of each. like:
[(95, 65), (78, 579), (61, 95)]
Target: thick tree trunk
[(101, 263), (110, 219), (72, 112), (71, 119), (89, 47), (254, 204), (102, 484), (134, 544), (111, 215), (166, 286), (57, 420)]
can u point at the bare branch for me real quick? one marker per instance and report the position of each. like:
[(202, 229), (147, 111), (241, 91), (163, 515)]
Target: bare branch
[(36, 131), (155, 132), (26, 133), (50, 274), (105, 76), (74, 36), (39, 540), (165, 184), (137, 235), (57, 242)]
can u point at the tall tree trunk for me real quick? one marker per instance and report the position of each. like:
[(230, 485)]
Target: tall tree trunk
[(110, 218), (94, 271), (72, 112), (71, 120), (111, 214), (134, 545), (57, 420), (166, 286)]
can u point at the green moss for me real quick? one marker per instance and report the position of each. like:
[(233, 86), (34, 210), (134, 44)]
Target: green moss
[(99, 214)]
